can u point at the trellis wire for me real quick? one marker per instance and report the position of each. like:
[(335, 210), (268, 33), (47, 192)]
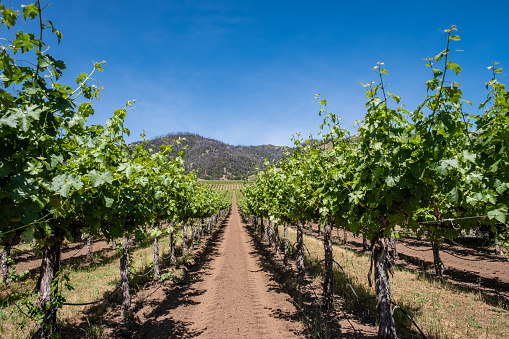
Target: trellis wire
[(97, 301), (88, 303), (144, 274), (75, 304), (460, 218), (364, 298)]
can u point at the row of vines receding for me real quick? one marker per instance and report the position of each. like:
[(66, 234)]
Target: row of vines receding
[(61, 177), (437, 171)]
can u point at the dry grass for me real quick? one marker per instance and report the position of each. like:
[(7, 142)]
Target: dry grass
[(90, 283), (441, 310)]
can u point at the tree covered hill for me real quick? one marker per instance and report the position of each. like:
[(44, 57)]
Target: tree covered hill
[(212, 159)]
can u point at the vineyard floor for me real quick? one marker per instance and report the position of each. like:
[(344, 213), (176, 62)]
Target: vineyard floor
[(231, 296), (75, 251), (469, 266)]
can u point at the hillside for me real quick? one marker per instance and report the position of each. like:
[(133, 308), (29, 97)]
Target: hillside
[(212, 159)]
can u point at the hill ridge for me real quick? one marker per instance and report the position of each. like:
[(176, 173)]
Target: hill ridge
[(212, 159)]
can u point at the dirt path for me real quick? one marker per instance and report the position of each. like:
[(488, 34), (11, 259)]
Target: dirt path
[(233, 297)]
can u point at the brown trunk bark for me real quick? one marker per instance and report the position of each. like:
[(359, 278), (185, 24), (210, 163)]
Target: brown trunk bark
[(345, 236), (285, 258), (90, 242), (380, 260), (365, 245), (184, 239), (193, 234), (5, 266), (265, 230), (277, 243), (300, 253), (394, 250), (173, 258), (498, 249), (113, 244), (124, 276), (156, 255), (437, 261), (50, 265), (328, 283), (270, 231)]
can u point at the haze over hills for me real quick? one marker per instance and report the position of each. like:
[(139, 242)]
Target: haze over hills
[(212, 159)]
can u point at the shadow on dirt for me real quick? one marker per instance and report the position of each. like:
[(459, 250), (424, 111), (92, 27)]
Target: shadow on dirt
[(157, 322), (461, 279), (306, 298)]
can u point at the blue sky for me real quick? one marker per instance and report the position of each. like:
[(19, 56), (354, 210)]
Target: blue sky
[(245, 72)]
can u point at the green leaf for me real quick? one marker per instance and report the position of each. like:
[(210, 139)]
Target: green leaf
[(57, 33), (454, 196), (108, 202), (8, 120), (451, 163), (389, 180), (63, 183), (99, 178), (5, 168), (469, 156), (156, 232), (454, 66), (501, 188), (396, 98), (28, 235), (439, 56), (159, 195), (499, 214)]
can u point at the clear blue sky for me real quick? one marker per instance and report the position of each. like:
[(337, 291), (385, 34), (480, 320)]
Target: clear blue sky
[(245, 72)]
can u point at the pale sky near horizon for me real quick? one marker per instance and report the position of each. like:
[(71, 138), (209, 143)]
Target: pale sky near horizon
[(245, 72)]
